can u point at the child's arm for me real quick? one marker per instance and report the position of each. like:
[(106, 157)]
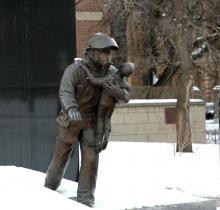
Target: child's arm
[(99, 81)]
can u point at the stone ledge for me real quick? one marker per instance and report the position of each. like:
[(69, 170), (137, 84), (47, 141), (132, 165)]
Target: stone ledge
[(161, 102), (201, 205)]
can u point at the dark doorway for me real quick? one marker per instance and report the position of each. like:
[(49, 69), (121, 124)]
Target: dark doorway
[(37, 42)]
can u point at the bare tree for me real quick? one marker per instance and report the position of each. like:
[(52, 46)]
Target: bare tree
[(169, 40)]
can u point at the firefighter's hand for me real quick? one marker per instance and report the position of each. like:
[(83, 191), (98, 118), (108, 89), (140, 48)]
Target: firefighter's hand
[(74, 115), (113, 90)]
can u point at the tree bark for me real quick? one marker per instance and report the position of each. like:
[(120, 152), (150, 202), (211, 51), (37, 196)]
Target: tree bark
[(185, 77), (185, 81)]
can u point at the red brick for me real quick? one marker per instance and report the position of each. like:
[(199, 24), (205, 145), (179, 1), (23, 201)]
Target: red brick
[(84, 29), (88, 5)]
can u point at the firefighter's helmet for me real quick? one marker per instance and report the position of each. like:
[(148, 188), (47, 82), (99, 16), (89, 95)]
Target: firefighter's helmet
[(101, 41)]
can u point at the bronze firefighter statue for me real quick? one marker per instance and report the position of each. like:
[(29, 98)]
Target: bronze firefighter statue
[(89, 89)]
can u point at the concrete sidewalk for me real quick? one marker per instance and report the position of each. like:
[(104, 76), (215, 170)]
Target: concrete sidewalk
[(202, 205)]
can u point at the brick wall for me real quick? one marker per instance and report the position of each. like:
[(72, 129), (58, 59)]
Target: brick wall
[(88, 22), (88, 5), (84, 30)]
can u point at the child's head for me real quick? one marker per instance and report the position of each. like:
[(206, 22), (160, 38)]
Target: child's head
[(126, 69)]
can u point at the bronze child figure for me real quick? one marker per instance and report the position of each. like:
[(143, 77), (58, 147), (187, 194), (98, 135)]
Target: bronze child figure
[(107, 102)]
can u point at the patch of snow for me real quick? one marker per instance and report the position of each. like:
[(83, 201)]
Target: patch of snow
[(195, 88), (130, 175), (22, 188)]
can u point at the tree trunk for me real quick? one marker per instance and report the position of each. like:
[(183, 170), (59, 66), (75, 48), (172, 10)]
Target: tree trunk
[(184, 85)]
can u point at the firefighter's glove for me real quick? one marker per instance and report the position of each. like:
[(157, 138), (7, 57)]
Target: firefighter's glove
[(74, 115), (113, 90)]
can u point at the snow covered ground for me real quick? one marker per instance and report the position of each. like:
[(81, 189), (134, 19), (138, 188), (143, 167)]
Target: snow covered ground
[(22, 189), (153, 174), (130, 175)]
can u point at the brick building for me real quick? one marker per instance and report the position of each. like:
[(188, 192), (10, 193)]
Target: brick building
[(88, 22)]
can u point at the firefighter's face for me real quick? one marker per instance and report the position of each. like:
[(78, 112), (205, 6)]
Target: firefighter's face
[(105, 55), (102, 57)]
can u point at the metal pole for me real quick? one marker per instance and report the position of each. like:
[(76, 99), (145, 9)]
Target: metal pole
[(219, 122), (217, 89)]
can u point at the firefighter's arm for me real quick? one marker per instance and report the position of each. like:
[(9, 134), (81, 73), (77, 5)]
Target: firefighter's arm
[(67, 93)]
